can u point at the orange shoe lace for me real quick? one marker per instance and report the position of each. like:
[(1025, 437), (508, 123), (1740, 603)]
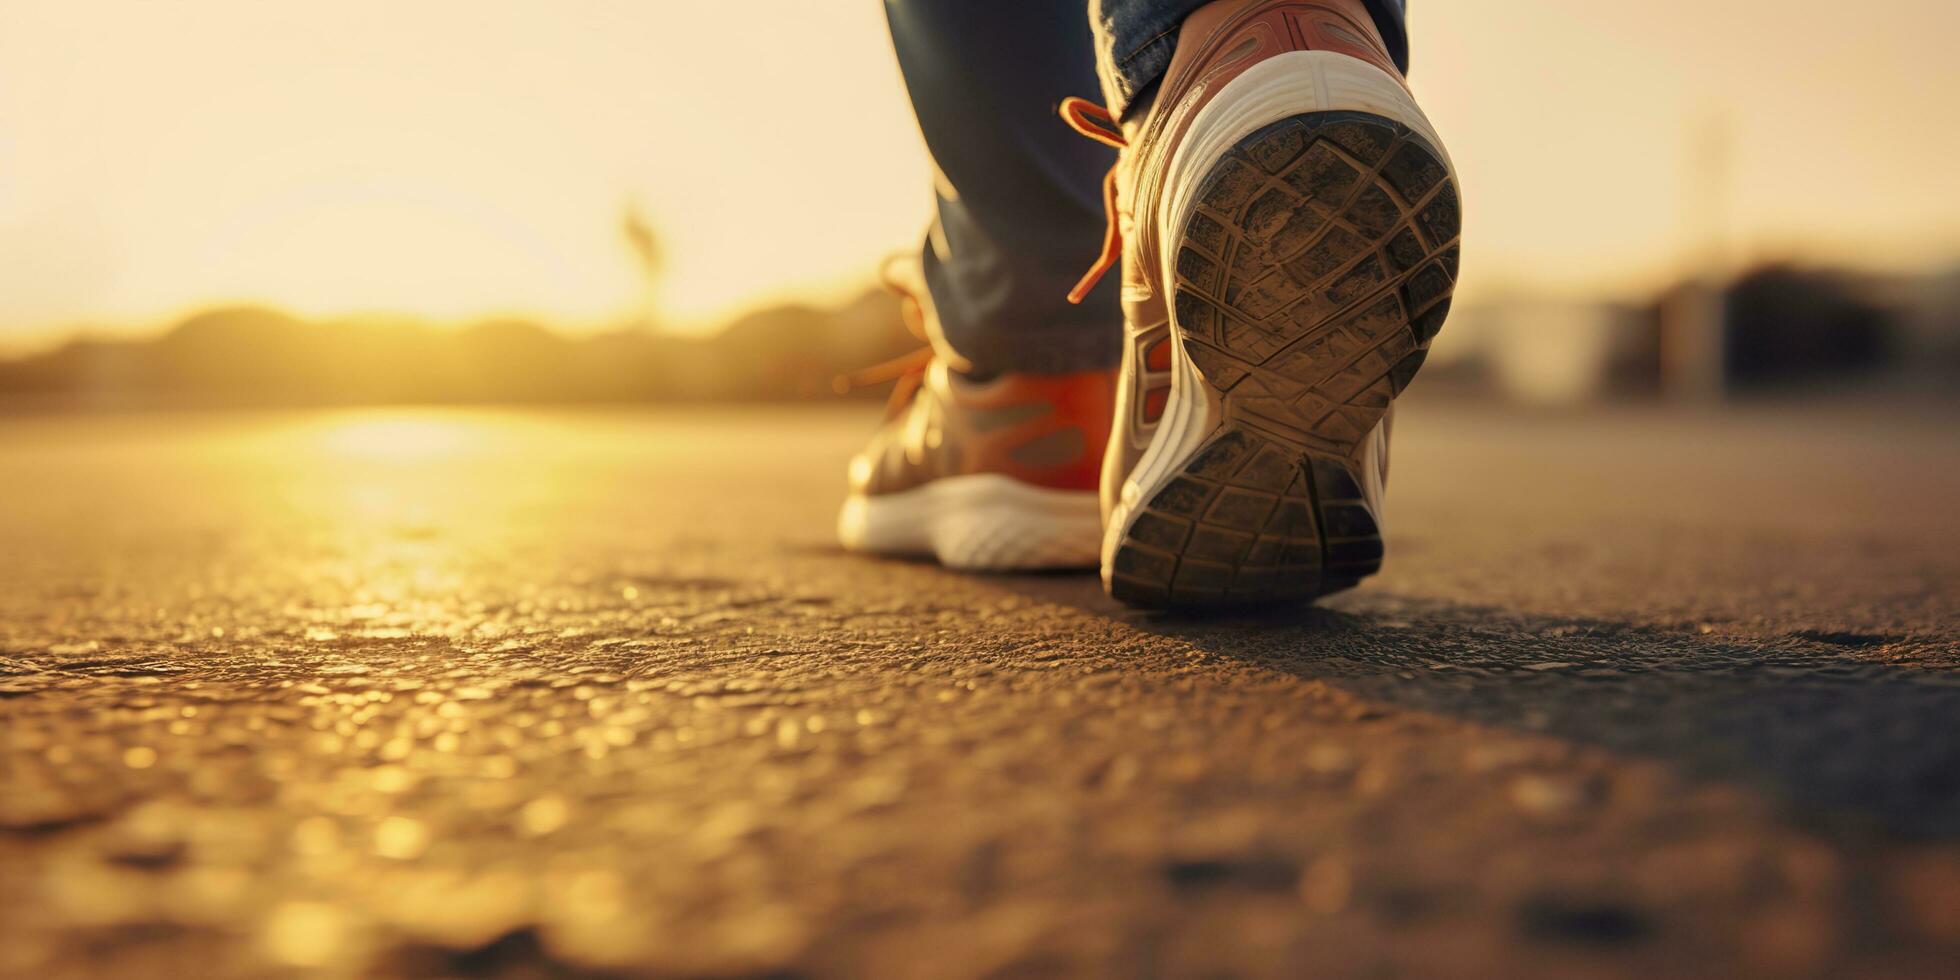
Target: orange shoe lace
[(909, 368), (1098, 124)]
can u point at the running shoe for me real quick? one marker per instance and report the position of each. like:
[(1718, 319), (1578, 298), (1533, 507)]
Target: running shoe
[(993, 474), (1287, 223)]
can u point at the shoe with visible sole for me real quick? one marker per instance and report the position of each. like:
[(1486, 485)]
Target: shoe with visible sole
[(1289, 239), (993, 475)]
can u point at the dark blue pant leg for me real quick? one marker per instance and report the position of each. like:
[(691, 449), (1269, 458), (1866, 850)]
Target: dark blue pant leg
[(1020, 214)]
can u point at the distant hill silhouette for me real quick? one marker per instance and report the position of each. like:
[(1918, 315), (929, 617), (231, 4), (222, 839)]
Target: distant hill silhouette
[(248, 356), (1783, 325)]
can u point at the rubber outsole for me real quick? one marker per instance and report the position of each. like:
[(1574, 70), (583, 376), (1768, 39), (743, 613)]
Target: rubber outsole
[(1307, 284), (980, 522)]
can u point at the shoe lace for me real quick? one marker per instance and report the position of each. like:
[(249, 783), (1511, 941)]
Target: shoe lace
[(1099, 124), (909, 368)]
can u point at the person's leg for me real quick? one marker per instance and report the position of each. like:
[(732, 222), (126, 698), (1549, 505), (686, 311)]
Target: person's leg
[(1135, 38), (1019, 196)]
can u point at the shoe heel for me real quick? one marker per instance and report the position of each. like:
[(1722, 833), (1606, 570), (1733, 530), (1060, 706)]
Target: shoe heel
[(1310, 266), (1312, 272)]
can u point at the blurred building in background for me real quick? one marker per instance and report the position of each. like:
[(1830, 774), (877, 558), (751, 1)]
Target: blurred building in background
[(1773, 329)]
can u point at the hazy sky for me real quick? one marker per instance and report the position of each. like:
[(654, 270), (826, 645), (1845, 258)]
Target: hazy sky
[(463, 157)]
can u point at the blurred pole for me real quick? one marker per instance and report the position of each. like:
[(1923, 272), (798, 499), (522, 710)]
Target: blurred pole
[(652, 261), (1694, 358)]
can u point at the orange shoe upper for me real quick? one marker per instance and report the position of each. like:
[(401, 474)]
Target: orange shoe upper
[(1044, 430)]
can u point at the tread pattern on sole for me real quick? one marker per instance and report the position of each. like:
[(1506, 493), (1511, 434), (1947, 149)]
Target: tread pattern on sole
[(1314, 271)]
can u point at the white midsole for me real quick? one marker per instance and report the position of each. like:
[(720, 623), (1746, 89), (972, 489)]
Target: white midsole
[(979, 521), (1289, 84)]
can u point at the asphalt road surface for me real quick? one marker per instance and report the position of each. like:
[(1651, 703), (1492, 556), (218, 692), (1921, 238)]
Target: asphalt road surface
[(1639, 694)]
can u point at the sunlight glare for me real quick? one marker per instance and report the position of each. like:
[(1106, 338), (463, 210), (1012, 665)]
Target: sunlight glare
[(400, 437)]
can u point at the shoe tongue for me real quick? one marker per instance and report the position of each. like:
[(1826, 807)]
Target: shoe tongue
[(906, 274)]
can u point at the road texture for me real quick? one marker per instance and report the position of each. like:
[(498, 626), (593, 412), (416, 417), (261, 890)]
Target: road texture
[(1639, 694)]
